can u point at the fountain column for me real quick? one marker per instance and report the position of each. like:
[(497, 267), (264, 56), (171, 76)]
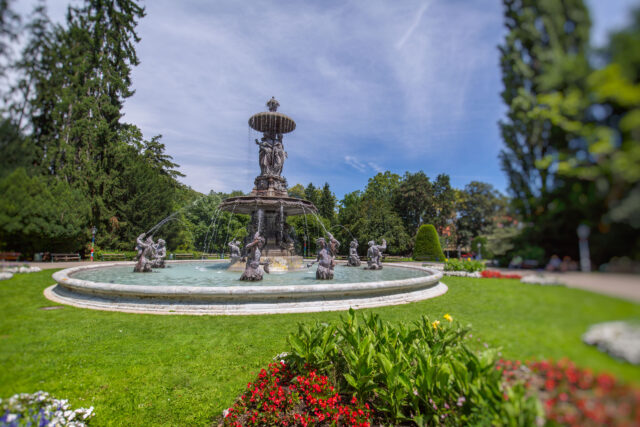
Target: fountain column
[(269, 203)]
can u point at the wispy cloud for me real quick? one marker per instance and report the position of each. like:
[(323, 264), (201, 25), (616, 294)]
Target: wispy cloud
[(354, 163), (375, 167), (413, 26)]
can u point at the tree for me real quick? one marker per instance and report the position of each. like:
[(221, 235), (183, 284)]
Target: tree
[(543, 51), (39, 213), (478, 210), (377, 218), (9, 29), (442, 209), (80, 86), (297, 191), (412, 199), (327, 203), (311, 194)]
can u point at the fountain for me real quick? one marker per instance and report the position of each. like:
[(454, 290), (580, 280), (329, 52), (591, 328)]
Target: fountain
[(214, 287), (269, 203)]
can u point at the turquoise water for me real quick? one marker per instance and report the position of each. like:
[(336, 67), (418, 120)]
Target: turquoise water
[(216, 274)]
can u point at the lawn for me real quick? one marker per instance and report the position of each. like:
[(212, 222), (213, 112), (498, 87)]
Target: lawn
[(184, 370)]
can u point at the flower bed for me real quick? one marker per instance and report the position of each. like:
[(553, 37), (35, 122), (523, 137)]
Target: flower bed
[(279, 397), (494, 274), (573, 396), (42, 410), (364, 371)]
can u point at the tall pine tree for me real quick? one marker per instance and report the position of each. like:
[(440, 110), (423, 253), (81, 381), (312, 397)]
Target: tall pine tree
[(81, 84)]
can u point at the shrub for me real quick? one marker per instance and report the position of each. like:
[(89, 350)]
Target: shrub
[(463, 265), (427, 247), (422, 373)]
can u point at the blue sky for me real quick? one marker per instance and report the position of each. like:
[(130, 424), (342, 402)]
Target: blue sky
[(372, 85)]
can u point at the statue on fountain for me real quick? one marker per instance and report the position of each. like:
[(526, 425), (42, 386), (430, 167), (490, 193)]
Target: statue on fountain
[(271, 155), (325, 260), (234, 251), (333, 247), (354, 259), (252, 271), (374, 255), (144, 246), (159, 254)]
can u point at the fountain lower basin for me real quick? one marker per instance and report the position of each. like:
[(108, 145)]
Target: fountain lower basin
[(231, 297)]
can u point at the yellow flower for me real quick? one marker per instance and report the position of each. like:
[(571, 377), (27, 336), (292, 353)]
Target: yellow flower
[(435, 324), (448, 317)]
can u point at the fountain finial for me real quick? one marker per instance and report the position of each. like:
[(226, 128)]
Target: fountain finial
[(273, 104)]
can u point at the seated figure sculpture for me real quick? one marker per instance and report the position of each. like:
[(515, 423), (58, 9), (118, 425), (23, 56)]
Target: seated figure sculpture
[(325, 261), (144, 246), (252, 271), (354, 259), (159, 254), (234, 251), (374, 255)]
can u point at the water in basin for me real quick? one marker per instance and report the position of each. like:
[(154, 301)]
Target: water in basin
[(216, 274)]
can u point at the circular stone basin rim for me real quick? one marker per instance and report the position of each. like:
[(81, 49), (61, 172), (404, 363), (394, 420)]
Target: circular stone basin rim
[(64, 279)]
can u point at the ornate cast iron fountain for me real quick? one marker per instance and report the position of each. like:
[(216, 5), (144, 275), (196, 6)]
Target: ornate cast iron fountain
[(269, 203)]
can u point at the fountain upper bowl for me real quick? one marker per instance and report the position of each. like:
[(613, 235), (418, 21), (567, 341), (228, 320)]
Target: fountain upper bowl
[(272, 121)]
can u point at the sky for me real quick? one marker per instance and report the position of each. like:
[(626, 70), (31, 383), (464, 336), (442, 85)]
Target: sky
[(372, 85)]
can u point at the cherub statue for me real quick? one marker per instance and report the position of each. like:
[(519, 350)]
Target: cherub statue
[(234, 251), (144, 246), (374, 255), (252, 271), (159, 254), (325, 261), (354, 259)]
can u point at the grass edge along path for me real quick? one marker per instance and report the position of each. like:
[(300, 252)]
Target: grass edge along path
[(142, 369)]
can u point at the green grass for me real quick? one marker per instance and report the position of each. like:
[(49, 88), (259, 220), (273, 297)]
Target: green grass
[(184, 370)]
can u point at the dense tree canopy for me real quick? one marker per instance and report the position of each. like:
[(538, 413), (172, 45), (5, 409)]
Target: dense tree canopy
[(571, 133)]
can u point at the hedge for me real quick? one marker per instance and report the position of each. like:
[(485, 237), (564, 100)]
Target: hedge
[(427, 247)]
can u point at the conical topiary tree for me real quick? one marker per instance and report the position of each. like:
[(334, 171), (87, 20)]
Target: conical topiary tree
[(427, 247)]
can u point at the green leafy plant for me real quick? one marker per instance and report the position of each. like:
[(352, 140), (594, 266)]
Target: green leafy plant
[(463, 265), (422, 373), (427, 247)]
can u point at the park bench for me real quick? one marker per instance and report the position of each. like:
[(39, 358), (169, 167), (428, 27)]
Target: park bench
[(65, 257), (113, 257), (183, 256), (10, 256)]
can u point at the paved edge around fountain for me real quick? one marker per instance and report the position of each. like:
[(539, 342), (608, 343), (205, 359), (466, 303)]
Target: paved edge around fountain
[(240, 300)]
